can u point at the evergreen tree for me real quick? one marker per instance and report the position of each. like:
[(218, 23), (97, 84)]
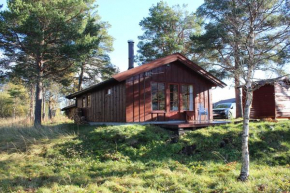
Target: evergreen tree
[(94, 65), (222, 41), (42, 36), (167, 30)]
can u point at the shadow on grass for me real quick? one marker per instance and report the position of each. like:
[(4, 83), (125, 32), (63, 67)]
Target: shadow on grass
[(122, 151), (154, 144)]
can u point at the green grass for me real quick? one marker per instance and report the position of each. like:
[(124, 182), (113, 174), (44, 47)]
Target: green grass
[(134, 158)]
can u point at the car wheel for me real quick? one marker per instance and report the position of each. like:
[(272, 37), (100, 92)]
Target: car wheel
[(230, 116)]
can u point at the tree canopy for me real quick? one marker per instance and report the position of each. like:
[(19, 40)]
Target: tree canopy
[(167, 30), (246, 36), (44, 40)]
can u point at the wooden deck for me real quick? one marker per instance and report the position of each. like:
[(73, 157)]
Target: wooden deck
[(195, 124), (178, 127)]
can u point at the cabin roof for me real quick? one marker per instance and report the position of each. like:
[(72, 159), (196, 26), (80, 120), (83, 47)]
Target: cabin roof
[(149, 66), (164, 61)]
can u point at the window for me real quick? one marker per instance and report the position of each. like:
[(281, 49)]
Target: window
[(174, 102), (158, 96), (187, 97), (89, 101), (108, 91), (84, 102)]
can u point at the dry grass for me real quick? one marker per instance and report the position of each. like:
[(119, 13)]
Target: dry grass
[(18, 121), (17, 135)]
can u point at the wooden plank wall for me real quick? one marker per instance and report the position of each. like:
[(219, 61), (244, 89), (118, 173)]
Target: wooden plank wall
[(263, 105), (106, 108), (138, 91), (282, 100)]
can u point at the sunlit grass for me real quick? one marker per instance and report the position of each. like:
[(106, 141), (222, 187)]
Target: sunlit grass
[(67, 158)]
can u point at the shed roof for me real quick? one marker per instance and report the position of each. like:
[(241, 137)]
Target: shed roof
[(149, 66), (285, 80), (68, 107)]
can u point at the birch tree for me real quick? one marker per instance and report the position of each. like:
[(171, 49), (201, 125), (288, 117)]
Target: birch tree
[(246, 36), (266, 37)]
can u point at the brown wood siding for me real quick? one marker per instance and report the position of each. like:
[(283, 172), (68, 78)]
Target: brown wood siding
[(282, 100), (138, 91), (263, 105), (106, 108)]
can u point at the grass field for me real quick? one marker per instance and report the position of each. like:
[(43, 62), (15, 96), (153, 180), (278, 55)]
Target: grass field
[(133, 158)]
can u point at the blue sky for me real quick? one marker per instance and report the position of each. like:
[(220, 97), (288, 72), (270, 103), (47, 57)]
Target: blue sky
[(124, 17)]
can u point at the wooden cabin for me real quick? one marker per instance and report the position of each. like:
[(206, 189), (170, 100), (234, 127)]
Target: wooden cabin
[(271, 99), (169, 88)]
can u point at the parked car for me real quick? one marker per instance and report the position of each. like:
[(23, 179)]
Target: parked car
[(224, 111)]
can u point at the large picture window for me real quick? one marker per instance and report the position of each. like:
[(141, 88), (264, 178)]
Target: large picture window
[(174, 99), (187, 97), (158, 96)]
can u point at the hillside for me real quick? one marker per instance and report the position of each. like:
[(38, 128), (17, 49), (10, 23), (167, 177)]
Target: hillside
[(134, 158)]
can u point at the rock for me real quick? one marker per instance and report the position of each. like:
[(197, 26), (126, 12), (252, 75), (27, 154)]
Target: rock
[(222, 144), (133, 143), (174, 139), (225, 142), (188, 150)]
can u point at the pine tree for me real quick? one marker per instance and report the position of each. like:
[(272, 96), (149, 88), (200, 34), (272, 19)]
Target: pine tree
[(41, 36), (167, 30)]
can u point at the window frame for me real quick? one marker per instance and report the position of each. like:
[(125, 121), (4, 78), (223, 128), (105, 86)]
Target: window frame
[(178, 97), (188, 99), (158, 103)]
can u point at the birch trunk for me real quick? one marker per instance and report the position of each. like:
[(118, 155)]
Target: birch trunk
[(245, 169)]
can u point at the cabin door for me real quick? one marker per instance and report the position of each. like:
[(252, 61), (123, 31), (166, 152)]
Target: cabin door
[(179, 99)]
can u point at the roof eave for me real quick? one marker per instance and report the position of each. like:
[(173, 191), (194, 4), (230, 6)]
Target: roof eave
[(99, 85)]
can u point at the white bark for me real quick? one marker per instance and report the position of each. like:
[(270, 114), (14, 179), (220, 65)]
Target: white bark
[(245, 169)]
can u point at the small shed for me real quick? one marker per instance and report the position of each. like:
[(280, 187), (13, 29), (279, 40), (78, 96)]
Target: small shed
[(69, 111), (271, 99), (166, 89)]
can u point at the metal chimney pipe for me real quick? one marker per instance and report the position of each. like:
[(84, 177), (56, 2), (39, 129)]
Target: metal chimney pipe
[(131, 54)]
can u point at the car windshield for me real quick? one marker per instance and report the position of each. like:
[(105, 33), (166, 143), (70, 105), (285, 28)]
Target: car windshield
[(223, 105)]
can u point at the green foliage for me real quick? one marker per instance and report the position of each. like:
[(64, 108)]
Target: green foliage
[(94, 64), (166, 31), (135, 158), (43, 40), (13, 101), (226, 36)]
